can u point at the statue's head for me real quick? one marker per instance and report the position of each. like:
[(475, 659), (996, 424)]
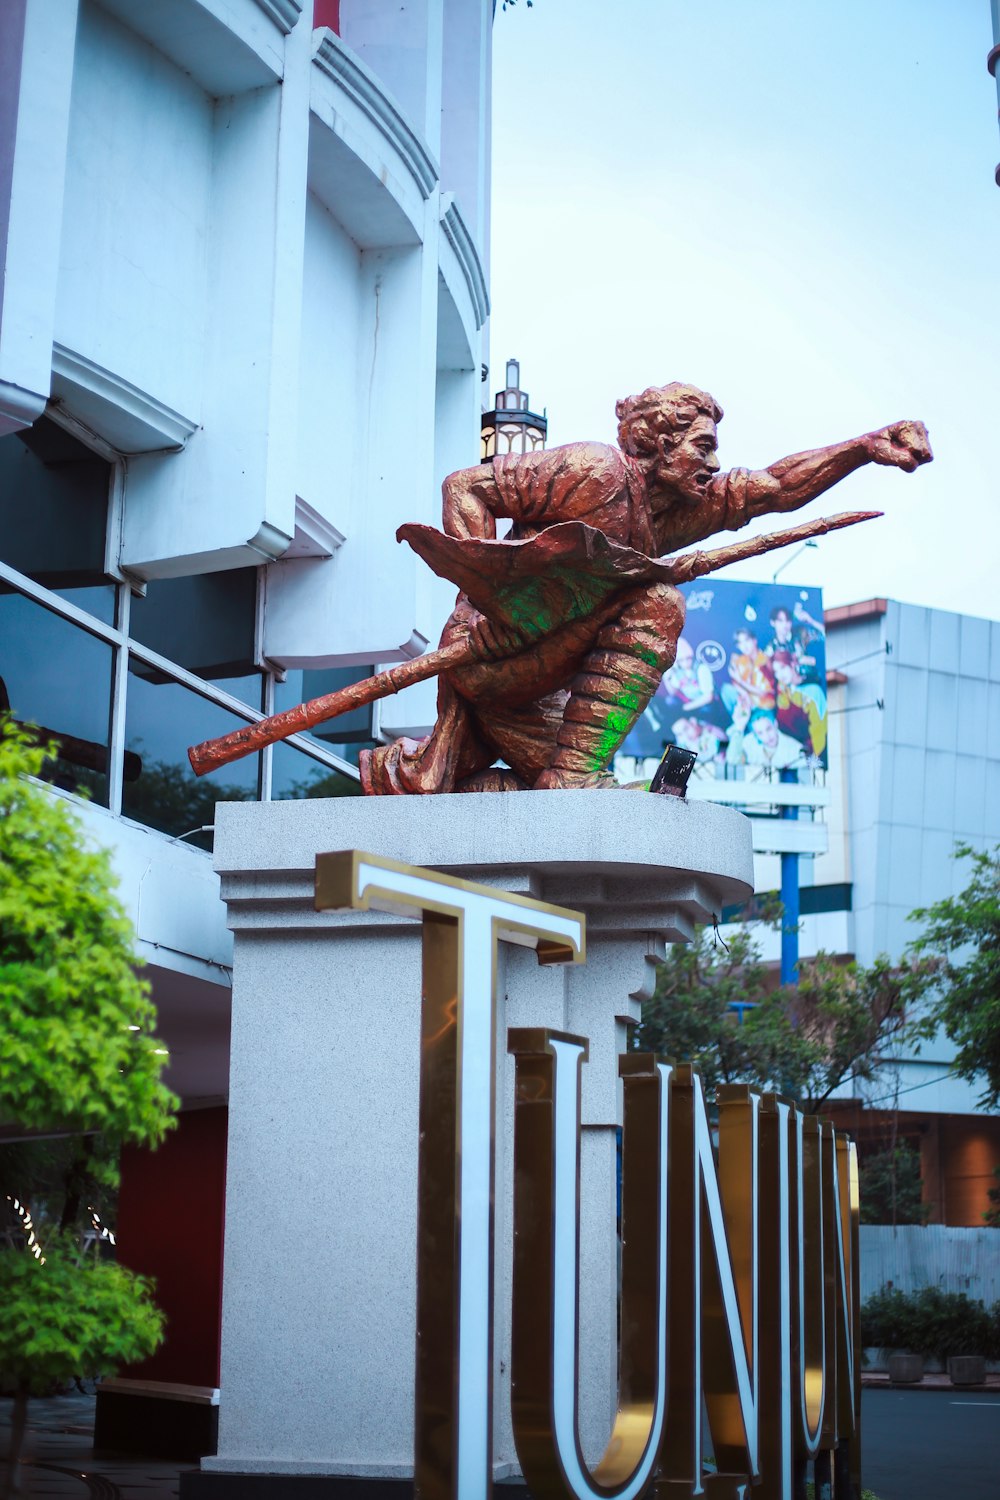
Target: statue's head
[(671, 431)]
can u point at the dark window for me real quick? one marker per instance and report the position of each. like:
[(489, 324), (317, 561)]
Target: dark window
[(819, 898), (295, 776), (813, 899), (347, 734), (205, 623), (54, 514), (162, 719), (58, 676)]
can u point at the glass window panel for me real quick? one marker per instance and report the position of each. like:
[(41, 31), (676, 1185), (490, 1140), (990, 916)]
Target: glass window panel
[(54, 514), (205, 623), (162, 720), (349, 733), (248, 689), (295, 776), (95, 599), (58, 676)]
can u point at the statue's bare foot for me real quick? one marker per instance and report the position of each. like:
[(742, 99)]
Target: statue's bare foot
[(496, 779), (554, 779)]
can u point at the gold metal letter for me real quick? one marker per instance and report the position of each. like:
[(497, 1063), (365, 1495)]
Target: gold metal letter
[(462, 924), (545, 1335)]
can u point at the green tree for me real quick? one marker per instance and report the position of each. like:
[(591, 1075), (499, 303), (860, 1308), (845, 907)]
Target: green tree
[(962, 940), (693, 1015), (836, 1026), (65, 1315), (78, 1059), (891, 1187), (992, 1215), (715, 1006), (77, 1050)]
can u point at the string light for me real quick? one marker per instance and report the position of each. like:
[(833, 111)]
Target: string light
[(27, 1225), (102, 1230)]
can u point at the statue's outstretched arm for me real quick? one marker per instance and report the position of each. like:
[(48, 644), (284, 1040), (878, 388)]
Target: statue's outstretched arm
[(794, 481)]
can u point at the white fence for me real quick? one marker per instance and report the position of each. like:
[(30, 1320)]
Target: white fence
[(914, 1255)]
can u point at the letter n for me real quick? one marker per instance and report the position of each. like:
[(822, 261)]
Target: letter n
[(714, 1292)]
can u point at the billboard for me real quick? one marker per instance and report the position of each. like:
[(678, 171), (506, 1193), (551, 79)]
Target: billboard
[(748, 687)]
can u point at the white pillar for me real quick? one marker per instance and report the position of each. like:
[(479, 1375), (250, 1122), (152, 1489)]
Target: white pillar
[(320, 1258)]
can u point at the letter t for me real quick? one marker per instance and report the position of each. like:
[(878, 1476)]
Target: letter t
[(462, 924)]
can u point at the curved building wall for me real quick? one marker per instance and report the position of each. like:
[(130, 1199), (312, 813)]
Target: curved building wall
[(245, 272)]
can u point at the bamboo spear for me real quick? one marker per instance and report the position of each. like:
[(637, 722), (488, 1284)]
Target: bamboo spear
[(211, 754)]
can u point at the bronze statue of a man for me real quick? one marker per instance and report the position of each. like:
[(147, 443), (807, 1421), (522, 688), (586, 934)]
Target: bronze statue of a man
[(555, 704)]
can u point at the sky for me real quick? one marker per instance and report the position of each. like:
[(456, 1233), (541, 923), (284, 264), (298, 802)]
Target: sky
[(790, 204)]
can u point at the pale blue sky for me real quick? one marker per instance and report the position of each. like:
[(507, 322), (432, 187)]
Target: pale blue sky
[(790, 204)]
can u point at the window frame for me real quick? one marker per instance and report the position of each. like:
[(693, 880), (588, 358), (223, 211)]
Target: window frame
[(124, 648)]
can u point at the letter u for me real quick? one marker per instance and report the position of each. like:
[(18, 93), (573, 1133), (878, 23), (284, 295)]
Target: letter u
[(545, 1324)]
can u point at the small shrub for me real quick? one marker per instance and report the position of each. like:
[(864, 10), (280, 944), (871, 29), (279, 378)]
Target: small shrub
[(67, 1317), (886, 1320), (949, 1323), (931, 1322), (993, 1347)]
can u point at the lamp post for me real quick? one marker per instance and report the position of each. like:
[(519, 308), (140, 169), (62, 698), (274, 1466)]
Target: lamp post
[(511, 427), (790, 907), (789, 560), (789, 861)]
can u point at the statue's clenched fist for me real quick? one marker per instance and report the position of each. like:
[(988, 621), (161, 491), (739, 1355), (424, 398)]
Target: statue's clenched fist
[(491, 641), (904, 444)]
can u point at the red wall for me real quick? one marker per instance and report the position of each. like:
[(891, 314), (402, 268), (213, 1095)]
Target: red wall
[(327, 13), (170, 1219)]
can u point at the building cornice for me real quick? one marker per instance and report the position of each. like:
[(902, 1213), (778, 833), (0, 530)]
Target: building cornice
[(315, 536), (348, 71), (19, 407), (284, 13), (127, 417), (842, 614), (462, 243)]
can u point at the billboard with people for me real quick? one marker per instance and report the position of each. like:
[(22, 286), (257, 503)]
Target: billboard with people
[(748, 686)]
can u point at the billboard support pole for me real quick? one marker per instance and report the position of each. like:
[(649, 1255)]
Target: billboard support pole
[(789, 901)]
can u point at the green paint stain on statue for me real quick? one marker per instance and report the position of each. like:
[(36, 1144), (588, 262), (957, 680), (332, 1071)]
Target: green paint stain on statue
[(623, 714), (537, 606)]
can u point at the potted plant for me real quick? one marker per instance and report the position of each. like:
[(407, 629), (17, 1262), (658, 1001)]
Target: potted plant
[(887, 1323), (954, 1328), (969, 1342), (906, 1369)]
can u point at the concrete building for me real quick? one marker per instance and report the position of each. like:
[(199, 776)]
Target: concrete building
[(241, 339), (919, 773), (914, 769)]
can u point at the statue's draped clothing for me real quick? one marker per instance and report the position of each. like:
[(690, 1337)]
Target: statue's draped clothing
[(595, 483), (567, 695)]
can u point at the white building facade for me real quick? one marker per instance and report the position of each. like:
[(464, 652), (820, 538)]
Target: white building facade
[(242, 338), (243, 322)]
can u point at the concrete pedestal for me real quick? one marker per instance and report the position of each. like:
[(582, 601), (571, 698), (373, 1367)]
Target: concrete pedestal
[(319, 1290)]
